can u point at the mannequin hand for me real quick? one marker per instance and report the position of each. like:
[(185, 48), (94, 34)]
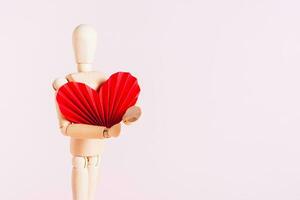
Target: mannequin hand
[(132, 114)]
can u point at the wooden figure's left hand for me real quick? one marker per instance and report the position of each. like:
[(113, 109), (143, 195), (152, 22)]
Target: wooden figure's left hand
[(132, 114)]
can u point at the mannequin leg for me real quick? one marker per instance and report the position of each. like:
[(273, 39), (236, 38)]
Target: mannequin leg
[(93, 170), (80, 178)]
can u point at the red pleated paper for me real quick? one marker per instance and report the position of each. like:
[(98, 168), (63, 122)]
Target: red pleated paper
[(106, 106)]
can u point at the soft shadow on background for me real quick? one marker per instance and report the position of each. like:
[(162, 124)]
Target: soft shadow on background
[(219, 79)]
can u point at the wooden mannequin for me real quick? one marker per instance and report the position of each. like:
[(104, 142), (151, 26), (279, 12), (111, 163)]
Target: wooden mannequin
[(87, 140)]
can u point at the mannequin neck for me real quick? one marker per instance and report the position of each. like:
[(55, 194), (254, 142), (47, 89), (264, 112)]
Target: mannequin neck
[(84, 67)]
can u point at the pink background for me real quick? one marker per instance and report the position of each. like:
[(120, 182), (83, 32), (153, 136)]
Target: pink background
[(220, 96)]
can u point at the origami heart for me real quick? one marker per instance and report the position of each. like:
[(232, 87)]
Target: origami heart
[(105, 106)]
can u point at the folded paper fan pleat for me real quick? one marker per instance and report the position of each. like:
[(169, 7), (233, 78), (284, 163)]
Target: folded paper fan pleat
[(79, 103), (72, 101), (122, 91)]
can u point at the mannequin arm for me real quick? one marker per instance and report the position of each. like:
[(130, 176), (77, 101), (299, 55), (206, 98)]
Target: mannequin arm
[(63, 123), (85, 131)]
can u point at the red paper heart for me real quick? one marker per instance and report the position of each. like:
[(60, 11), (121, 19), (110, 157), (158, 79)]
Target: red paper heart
[(106, 106)]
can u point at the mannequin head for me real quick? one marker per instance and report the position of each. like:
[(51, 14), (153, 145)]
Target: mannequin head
[(84, 44)]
